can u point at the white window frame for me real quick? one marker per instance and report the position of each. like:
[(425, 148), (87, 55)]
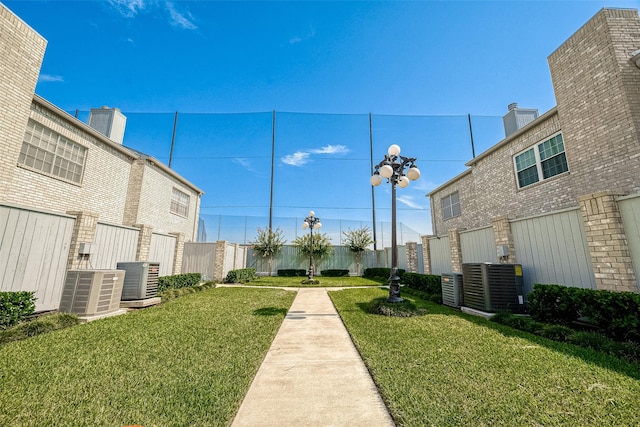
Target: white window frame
[(450, 211), (49, 153), (180, 203), (538, 160)]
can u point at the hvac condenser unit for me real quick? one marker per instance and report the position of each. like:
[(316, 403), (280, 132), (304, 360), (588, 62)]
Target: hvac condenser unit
[(452, 289), (92, 292), (493, 287), (140, 280)]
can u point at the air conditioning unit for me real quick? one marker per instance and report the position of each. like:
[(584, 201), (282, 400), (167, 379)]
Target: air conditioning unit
[(140, 280), (92, 292), (452, 289), (493, 287)]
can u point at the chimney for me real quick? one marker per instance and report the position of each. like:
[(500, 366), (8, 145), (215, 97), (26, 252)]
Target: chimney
[(517, 118), (108, 121)]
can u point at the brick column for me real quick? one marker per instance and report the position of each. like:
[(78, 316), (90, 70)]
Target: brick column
[(178, 253), (144, 242), (456, 249), (84, 231), (218, 266), (412, 256), (607, 242), (504, 237), (426, 254)]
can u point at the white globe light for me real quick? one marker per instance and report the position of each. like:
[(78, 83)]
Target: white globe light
[(413, 173), (318, 225), (403, 181), (305, 225), (311, 213), (376, 180), (394, 150), (386, 171)]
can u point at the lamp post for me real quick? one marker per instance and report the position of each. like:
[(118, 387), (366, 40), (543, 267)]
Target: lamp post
[(311, 222), (392, 167)]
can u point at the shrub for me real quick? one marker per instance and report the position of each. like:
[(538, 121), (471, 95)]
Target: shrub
[(615, 314), (556, 332), (395, 309), (241, 275), (39, 325), (335, 273), (380, 273), (429, 283), (291, 272), (178, 281), (15, 306)]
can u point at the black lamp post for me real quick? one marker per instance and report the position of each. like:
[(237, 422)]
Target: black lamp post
[(392, 168), (311, 222)]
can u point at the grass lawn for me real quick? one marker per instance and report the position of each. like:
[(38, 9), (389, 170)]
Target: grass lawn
[(325, 282), (188, 362), (450, 369)]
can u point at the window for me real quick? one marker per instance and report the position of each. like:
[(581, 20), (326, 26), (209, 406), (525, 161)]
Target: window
[(451, 205), (180, 203), (544, 160), (46, 151)]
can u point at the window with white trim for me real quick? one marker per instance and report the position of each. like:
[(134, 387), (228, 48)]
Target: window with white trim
[(541, 161), (450, 205), (180, 203), (46, 151)]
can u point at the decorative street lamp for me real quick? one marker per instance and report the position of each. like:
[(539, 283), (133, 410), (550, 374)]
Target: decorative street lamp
[(392, 168), (311, 222)]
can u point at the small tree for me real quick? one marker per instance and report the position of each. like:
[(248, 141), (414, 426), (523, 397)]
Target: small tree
[(357, 242), (268, 243), (322, 247)]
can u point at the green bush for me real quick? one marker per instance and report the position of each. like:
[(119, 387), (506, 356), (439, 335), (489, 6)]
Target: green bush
[(37, 326), (380, 273), (170, 294), (242, 275), (335, 273), (178, 281), (292, 272), (615, 314), (15, 306), (429, 283)]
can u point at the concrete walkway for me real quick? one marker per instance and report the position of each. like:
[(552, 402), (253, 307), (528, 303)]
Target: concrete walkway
[(312, 374)]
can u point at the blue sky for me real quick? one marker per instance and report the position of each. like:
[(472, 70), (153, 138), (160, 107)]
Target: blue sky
[(419, 67)]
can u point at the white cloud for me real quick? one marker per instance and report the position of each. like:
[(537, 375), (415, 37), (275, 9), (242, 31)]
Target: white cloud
[(298, 158), (50, 78), (331, 149), (298, 39), (244, 163), (128, 8), (408, 201), (182, 20)]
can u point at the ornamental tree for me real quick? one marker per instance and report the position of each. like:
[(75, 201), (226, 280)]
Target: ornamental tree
[(268, 243), (357, 242), (322, 247)]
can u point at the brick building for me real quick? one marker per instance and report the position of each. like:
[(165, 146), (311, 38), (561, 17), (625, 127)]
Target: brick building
[(581, 158), (57, 173)]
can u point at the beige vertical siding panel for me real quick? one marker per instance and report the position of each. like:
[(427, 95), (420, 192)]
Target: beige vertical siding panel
[(440, 255), (114, 243), (163, 251), (478, 245), (630, 210)]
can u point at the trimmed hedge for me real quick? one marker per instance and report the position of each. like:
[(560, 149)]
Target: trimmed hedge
[(593, 340), (178, 281), (15, 306), (38, 326), (615, 314), (380, 273), (292, 272), (241, 275), (335, 273), (429, 283)]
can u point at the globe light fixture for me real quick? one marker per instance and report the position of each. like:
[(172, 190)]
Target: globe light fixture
[(392, 168), (312, 222)]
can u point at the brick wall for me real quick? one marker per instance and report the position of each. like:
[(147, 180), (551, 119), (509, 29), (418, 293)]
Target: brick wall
[(21, 50), (597, 89)]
